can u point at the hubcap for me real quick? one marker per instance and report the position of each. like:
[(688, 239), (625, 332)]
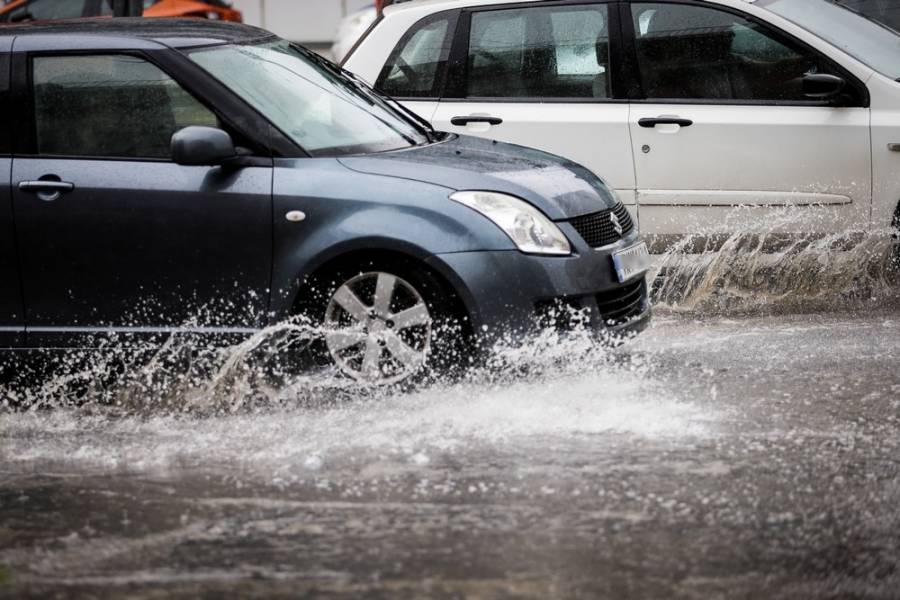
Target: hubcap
[(378, 328)]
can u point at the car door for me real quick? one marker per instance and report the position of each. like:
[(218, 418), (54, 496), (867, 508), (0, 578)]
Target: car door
[(723, 122), (543, 75), (12, 318), (114, 236)]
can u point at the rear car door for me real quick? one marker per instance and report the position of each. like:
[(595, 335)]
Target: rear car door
[(543, 75), (723, 122), (114, 236), (12, 318)]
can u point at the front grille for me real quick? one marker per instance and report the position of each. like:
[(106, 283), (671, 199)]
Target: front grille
[(597, 229), (621, 304)]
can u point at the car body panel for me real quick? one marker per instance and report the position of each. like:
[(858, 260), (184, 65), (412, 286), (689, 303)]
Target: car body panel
[(756, 156), (560, 188), (587, 134), (341, 209), (142, 245), (885, 154), (528, 281)]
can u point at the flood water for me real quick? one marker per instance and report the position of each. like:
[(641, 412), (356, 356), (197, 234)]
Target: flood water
[(746, 445)]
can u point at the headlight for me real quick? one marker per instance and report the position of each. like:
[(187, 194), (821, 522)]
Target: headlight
[(528, 228)]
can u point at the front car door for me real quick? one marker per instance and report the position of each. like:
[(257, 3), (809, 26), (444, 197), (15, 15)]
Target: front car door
[(722, 122), (114, 236), (12, 318), (543, 75)]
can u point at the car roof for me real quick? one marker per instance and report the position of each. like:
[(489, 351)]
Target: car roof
[(448, 4), (177, 33)]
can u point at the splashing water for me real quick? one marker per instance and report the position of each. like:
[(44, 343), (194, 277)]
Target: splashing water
[(186, 401), (736, 269), (557, 386)]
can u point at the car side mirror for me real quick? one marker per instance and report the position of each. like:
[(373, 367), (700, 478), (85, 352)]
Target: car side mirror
[(202, 146), (823, 86)]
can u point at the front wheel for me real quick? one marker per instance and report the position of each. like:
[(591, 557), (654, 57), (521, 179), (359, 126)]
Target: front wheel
[(386, 324)]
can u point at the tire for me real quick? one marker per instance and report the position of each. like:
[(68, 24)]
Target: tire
[(387, 322)]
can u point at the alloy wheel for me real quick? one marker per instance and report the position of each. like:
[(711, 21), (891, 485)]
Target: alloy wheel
[(378, 328)]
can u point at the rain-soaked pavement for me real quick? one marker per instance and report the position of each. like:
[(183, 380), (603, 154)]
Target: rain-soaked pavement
[(715, 456), (752, 457)]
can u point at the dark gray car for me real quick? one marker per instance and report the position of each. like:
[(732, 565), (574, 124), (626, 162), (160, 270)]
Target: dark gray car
[(168, 176)]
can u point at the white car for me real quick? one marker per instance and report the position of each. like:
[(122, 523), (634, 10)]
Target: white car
[(689, 109), (350, 29)]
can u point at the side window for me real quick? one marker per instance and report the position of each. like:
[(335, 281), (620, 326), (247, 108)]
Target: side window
[(541, 52), (40, 10), (109, 106), (692, 52), (417, 64)]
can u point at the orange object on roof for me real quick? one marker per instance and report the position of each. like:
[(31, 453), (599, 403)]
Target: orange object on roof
[(193, 8), (41, 10)]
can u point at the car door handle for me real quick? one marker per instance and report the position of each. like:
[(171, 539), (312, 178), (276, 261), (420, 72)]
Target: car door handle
[(462, 121), (47, 190), (654, 121)]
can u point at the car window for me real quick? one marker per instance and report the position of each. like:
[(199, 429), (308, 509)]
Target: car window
[(418, 62), (869, 36), (540, 52), (692, 52), (109, 106), (309, 99), (886, 12)]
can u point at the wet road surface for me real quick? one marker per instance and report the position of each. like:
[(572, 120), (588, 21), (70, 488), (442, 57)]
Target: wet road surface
[(753, 457)]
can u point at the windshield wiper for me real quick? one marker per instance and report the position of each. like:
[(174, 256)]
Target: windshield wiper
[(423, 125)]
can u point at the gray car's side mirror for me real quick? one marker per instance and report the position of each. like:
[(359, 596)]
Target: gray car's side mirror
[(822, 86), (202, 146)]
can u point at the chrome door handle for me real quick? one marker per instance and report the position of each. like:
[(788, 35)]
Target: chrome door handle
[(47, 190)]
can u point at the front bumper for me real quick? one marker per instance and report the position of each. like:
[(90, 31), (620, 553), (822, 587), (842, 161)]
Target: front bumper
[(507, 291)]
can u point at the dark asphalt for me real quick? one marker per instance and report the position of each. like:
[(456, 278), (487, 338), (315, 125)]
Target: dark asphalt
[(720, 458)]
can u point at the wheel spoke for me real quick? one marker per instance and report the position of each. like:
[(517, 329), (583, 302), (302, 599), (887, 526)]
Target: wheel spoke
[(350, 302), (407, 356), (372, 358), (343, 339), (384, 291), (417, 315)]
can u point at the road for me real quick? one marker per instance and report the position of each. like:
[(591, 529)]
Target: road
[(721, 457)]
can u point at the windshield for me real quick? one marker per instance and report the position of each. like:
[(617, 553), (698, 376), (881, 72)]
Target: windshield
[(867, 41), (323, 111)]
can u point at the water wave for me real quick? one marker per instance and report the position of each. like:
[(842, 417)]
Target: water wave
[(747, 270)]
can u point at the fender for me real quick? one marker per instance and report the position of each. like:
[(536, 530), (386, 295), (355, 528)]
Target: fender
[(332, 214)]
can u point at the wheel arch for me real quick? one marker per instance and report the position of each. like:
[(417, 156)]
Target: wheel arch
[(321, 269)]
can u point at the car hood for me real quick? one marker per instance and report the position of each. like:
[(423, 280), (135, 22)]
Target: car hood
[(560, 188)]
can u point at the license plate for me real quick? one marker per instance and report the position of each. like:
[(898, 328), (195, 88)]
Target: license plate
[(631, 262)]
